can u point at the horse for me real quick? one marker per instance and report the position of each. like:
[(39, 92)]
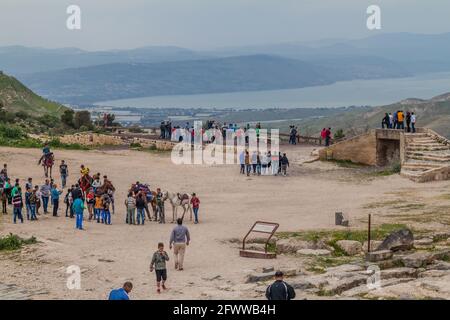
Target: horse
[(178, 200), (47, 161), (85, 183)]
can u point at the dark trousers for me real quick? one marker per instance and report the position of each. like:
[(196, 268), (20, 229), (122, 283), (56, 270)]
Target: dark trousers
[(4, 206), (55, 203), (242, 168), (413, 127)]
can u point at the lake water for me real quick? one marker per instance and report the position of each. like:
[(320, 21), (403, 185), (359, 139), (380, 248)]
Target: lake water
[(340, 94)]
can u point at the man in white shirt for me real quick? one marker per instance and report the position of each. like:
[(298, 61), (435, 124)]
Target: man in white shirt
[(413, 122)]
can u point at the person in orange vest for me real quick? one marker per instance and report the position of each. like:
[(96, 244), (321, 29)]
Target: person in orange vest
[(401, 120)]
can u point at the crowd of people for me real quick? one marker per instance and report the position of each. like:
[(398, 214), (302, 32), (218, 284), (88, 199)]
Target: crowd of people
[(265, 164), (398, 119)]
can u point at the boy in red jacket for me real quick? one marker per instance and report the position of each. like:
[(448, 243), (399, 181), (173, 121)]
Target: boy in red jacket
[(195, 205)]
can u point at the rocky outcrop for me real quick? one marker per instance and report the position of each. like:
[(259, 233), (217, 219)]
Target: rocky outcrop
[(398, 240)]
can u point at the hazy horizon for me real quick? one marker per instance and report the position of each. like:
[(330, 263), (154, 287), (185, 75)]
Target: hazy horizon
[(207, 25)]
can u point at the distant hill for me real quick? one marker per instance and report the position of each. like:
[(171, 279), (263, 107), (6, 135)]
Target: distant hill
[(433, 113), (232, 74), (19, 60), (16, 97)]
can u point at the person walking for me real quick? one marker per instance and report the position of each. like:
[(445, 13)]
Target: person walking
[(158, 264), (121, 293), (413, 122), (195, 202), (284, 164), (90, 201), (179, 239), (130, 204), (254, 161), (78, 208), (64, 173), (55, 193), (46, 189), (280, 290)]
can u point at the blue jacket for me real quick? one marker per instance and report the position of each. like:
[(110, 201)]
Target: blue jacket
[(55, 194), (119, 294), (78, 206)]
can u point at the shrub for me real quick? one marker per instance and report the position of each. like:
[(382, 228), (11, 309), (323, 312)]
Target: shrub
[(14, 242), (339, 134), (11, 132)]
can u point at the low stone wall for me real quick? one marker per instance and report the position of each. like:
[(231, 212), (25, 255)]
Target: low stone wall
[(91, 139), (359, 149)]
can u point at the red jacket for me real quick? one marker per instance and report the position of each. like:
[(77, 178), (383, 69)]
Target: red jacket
[(195, 202)]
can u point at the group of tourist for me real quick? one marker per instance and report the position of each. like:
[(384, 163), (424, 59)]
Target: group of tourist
[(265, 164), (398, 119)]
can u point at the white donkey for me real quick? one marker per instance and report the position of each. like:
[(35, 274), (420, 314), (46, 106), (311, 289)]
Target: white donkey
[(179, 200)]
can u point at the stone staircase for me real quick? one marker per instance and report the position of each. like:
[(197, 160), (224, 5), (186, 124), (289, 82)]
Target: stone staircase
[(427, 157)]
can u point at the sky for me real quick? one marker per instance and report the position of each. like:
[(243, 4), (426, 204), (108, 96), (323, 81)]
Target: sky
[(208, 24)]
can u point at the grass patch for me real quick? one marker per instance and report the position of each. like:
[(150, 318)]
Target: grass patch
[(348, 164), (331, 237), (394, 169), (14, 242)]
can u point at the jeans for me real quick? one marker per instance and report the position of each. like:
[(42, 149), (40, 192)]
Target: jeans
[(195, 214), (140, 214), (45, 203), (413, 127), (33, 212), (248, 168), (258, 169), (106, 216), (79, 222), (97, 214), (18, 214), (28, 211), (63, 180), (55, 203), (242, 168)]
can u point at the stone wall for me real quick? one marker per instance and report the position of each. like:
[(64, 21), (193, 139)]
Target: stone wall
[(359, 149), (91, 139)]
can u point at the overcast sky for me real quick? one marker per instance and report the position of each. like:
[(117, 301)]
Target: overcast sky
[(204, 24)]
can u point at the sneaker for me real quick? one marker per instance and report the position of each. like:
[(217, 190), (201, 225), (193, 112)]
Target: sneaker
[(164, 287), (158, 290)]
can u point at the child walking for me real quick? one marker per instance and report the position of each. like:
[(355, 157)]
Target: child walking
[(159, 265)]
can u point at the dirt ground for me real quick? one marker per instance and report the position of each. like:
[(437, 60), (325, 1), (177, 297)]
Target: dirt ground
[(230, 203)]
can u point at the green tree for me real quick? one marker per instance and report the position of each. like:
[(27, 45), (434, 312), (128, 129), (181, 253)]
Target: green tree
[(82, 118), (67, 117)]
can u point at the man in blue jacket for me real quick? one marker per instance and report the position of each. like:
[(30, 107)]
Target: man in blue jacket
[(78, 207), (122, 293)]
